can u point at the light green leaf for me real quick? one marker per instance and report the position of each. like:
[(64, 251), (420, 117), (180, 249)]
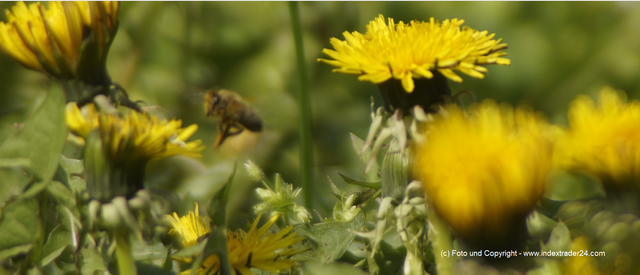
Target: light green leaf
[(12, 181), (574, 186), (90, 260), (42, 137), (20, 224), (59, 239), (69, 174), (191, 250), (167, 263), (560, 238), (372, 174), (313, 268), (62, 193), (326, 241), (15, 162), (349, 180)]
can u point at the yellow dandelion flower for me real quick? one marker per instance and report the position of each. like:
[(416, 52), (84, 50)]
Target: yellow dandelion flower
[(49, 40), (483, 172), (603, 138), (150, 137), (416, 50), (583, 265), (81, 123), (252, 249), (190, 227)]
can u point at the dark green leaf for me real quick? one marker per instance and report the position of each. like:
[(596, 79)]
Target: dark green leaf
[(151, 269), (328, 240), (42, 137), (14, 251), (35, 189)]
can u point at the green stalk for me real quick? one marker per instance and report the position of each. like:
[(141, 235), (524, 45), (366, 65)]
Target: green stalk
[(442, 243), (126, 265), (304, 109)]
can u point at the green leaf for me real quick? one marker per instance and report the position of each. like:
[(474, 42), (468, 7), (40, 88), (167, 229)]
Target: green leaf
[(560, 238), (15, 162), (168, 262), (90, 260), (372, 174), (217, 240), (20, 224), (151, 269), (191, 250), (35, 189), (326, 241), (42, 138), (358, 143), (14, 251), (69, 174), (12, 181), (62, 194), (59, 239), (372, 185), (574, 186), (313, 268)]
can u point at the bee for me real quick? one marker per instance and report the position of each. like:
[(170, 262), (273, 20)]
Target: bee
[(234, 113)]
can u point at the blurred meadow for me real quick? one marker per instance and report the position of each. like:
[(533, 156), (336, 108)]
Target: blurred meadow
[(166, 54)]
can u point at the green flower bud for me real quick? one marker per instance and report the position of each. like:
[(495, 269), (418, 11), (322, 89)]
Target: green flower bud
[(254, 170), (396, 170)]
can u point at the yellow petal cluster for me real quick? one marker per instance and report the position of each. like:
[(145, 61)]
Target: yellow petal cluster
[(151, 137), (252, 249), (603, 138), (49, 40), (190, 227), (483, 169), (583, 265), (415, 50)]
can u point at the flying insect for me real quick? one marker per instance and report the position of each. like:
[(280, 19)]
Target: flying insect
[(233, 112)]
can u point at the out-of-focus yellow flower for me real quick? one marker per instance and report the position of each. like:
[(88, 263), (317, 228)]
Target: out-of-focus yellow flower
[(50, 40), (190, 227), (150, 137), (82, 123), (485, 170), (415, 50), (603, 138), (583, 265), (252, 249)]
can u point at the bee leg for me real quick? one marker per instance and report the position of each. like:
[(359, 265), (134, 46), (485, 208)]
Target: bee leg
[(224, 130)]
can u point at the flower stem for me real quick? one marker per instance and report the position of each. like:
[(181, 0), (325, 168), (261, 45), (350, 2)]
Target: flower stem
[(304, 109), (126, 265), (441, 242)]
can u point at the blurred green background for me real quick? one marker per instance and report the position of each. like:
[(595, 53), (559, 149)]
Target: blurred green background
[(167, 53)]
